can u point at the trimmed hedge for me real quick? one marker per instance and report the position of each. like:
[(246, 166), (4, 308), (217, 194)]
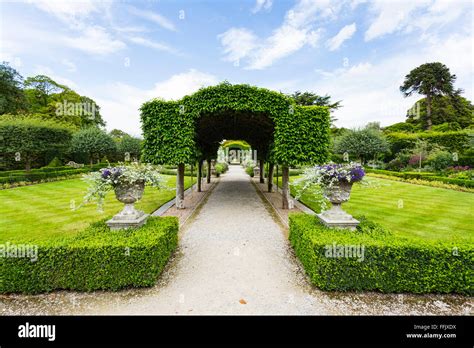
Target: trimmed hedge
[(34, 175), (452, 141), (424, 176), (290, 134), (390, 263), (95, 259)]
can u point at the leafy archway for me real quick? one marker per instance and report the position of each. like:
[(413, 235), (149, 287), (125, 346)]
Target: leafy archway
[(191, 129)]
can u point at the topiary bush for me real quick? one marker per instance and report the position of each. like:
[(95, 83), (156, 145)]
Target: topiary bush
[(388, 263), (55, 162), (95, 259)]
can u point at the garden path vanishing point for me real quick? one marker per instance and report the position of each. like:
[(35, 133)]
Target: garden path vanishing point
[(233, 258)]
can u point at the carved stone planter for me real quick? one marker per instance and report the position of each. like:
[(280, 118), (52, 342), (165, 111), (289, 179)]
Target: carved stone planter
[(335, 216), (129, 217)]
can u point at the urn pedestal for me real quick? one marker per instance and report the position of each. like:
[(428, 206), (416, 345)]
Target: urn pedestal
[(129, 217), (336, 217)]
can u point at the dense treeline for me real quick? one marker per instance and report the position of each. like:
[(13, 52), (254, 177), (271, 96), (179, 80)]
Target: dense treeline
[(45, 123)]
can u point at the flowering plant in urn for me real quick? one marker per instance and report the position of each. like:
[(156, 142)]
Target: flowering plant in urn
[(128, 182), (333, 182)]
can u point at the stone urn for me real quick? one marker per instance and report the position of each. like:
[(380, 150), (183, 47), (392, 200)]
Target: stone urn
[(128, 193), (336, 216)]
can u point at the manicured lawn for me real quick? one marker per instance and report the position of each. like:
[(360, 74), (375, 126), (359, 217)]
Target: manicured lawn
[(44, 211), (427, 212)]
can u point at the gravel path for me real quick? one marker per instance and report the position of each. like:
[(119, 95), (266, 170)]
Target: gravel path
[(233, 258)]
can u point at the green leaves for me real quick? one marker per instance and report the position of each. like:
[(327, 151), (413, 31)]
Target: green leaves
[(390, 263), (94, 142), (97, 258), (299, 134)]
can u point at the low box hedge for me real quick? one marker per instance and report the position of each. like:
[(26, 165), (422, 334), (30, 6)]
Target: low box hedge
[(390, 263), (95, 259), (424, 176)]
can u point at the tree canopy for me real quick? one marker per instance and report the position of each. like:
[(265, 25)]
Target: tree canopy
[(310, 98), (93, 142), (12, 99), (431, 80), (454, 110), (364, 144)]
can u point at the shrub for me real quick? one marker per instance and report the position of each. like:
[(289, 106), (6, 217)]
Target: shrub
[(219, 169), (440, 160), (97, 258), (389, 263), (249, 171), (395, 164), (55, 162)]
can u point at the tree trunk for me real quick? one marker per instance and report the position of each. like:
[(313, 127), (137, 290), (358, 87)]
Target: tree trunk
[(199, 176), (208, 177), (270, 177), (27, 164), (180, 186), (285, 175), (429, 123), (192, 177), (262, 169)]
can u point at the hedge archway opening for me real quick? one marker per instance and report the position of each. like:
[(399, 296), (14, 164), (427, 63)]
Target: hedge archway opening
[(190, 130)]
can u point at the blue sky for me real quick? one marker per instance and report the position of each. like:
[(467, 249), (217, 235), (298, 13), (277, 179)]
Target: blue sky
[(122, 53)]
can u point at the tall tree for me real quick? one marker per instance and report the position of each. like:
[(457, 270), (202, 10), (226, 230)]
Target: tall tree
[(12, 98), (364, 144), (117, 134), (309, 98), (455, 110), (59, 102), (39, 88), (430, 80)]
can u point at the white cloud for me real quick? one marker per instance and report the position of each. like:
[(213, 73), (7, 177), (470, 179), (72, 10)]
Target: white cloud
[(237, 43), (120, 102), (152, 44), (284, 41), (296, 31), (262, 5), (369, 90), (94, 40), (153, 17), (70, 66), (344, 34), (406, 15), (71, 12)]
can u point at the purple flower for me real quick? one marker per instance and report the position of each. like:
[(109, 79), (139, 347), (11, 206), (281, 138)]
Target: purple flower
[(106, 173)]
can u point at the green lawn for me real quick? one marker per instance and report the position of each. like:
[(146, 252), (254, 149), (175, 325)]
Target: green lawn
[(427, 212), (43, 211)]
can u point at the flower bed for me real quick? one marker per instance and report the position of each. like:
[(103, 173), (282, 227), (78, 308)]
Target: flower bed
[(97, 258), (371, 258)]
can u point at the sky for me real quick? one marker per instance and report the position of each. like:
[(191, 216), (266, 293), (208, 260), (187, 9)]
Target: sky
[(124, 53)]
